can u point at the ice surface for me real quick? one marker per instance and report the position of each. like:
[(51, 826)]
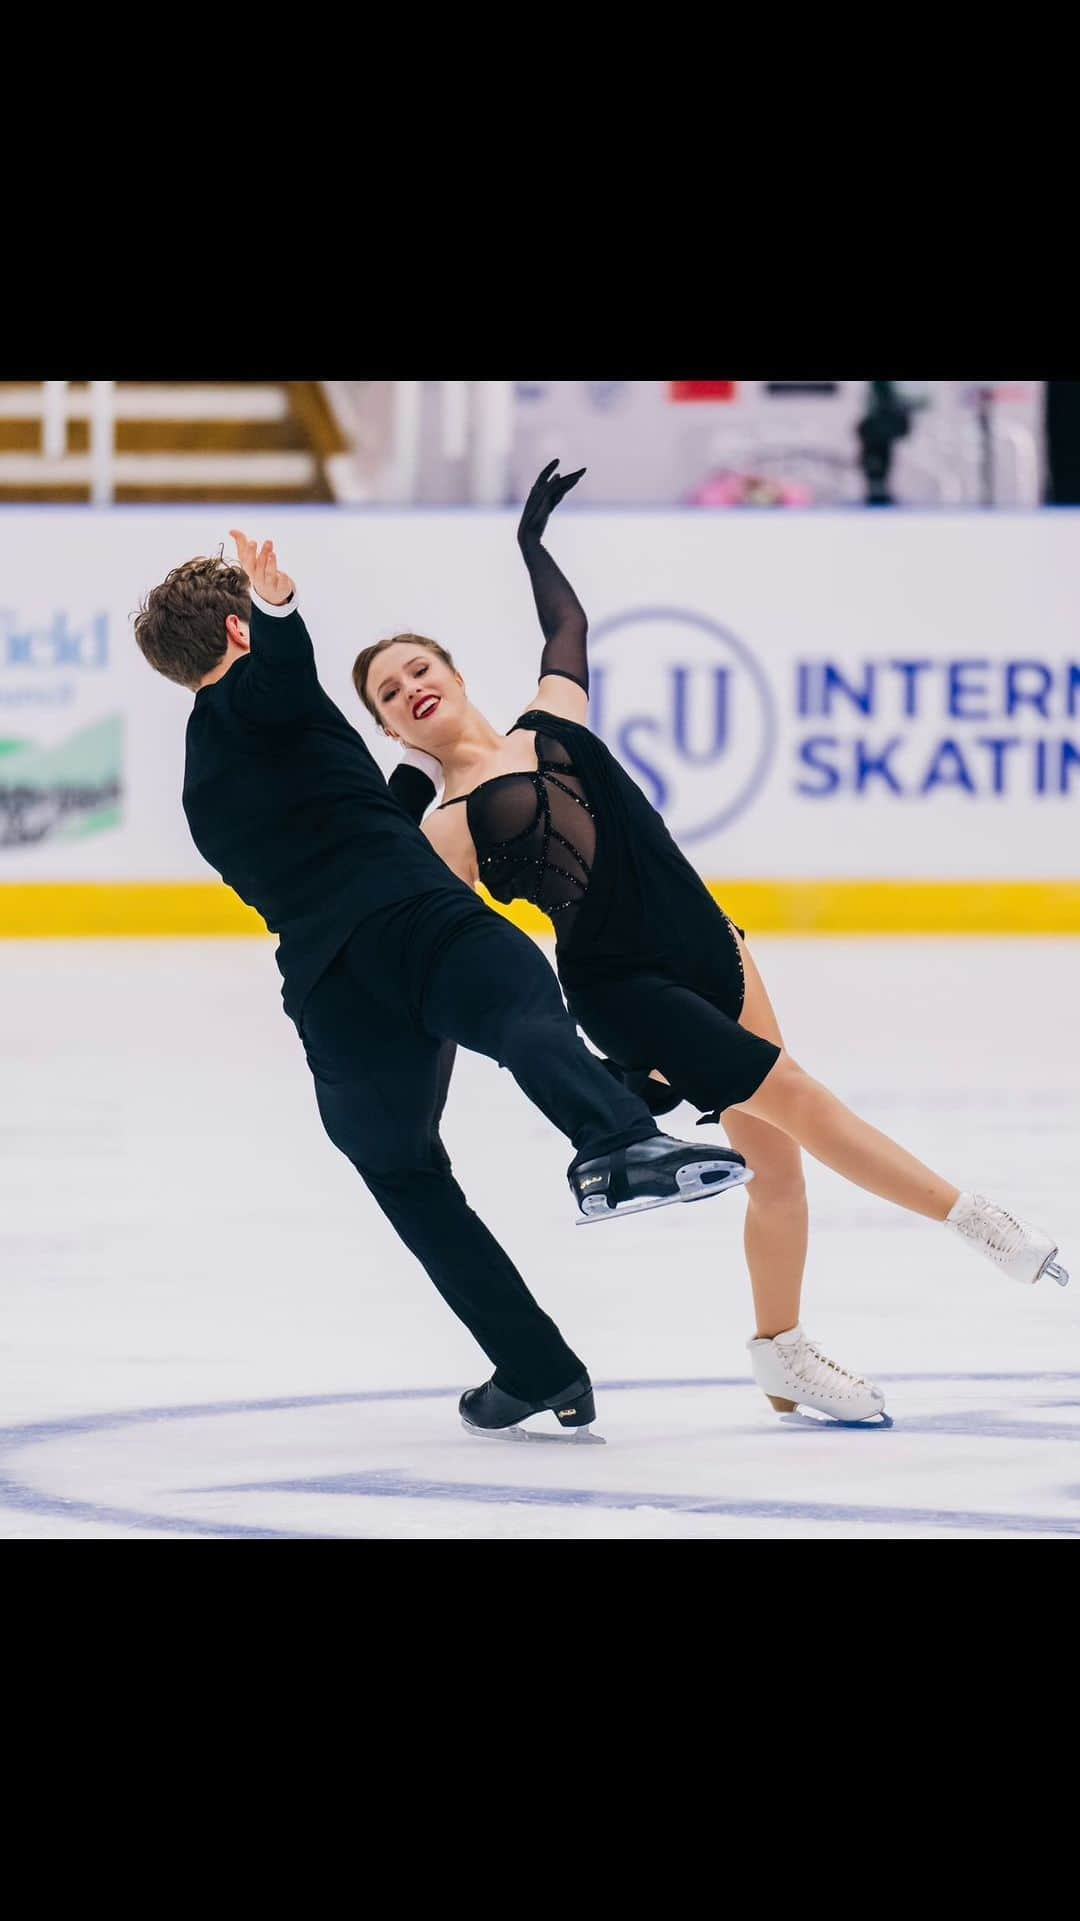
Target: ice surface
[(208, 1329)]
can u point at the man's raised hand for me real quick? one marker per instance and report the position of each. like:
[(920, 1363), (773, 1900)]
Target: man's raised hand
[(261, 567)]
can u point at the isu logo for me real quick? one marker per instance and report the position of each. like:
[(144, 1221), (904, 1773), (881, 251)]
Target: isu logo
[(685, 707)]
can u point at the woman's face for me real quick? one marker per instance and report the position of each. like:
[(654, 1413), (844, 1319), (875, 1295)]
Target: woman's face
[(419, 699)]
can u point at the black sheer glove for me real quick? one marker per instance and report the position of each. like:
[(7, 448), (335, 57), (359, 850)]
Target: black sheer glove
[(547, 490), (562, 616), (658, 1097)]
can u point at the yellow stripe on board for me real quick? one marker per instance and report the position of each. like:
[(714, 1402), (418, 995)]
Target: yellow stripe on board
[(902, 907), (73, 910)]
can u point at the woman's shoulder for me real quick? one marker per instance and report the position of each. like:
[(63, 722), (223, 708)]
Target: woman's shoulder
[(551, 723)]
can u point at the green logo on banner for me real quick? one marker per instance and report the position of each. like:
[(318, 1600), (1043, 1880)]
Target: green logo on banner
[(64, 791)]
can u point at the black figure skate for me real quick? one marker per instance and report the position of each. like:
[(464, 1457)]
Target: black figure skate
[(566, 1416), (653, 1173)]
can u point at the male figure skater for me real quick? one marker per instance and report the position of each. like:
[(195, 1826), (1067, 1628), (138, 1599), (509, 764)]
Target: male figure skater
[(387, 961)]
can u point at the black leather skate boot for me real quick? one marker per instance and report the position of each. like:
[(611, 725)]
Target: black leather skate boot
[(653, 1173), (490, 1410)]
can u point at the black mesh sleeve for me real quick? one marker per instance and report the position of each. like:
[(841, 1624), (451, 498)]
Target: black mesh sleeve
[(562, 617)]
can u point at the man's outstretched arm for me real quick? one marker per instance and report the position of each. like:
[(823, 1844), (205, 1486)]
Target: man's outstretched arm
[(282, 671)]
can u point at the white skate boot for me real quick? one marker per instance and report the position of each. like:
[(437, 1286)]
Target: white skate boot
[(793, 1373), (1023, 1253)]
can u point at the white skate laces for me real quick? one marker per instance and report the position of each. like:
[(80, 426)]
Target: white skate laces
[(793, 1373), (1023, 1253)]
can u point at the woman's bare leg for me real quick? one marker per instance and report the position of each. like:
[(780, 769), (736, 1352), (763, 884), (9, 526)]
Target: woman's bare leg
[(776, 1224), (789, 1099), (777, 1221)]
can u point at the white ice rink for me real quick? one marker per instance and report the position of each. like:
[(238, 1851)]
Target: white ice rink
[(209, 1330)]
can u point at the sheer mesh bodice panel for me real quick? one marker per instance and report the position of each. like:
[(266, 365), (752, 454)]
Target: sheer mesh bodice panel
[(535, 836)]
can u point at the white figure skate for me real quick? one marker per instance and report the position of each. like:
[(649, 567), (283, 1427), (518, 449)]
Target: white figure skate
[(1023, 1253), (793, 1373)]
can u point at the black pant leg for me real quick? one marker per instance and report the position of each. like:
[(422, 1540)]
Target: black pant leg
[(487, 986), (380, 1085), (444, 1069)]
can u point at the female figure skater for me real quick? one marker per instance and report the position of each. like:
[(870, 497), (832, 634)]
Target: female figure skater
[(654, 972)]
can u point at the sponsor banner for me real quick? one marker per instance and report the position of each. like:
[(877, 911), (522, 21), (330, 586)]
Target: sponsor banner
[(63, 791), (815, 697)]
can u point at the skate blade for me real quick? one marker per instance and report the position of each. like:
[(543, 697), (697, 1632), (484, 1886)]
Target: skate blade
[(569, 1436), (812, 1417), (1053, 1269), (691, 1184)]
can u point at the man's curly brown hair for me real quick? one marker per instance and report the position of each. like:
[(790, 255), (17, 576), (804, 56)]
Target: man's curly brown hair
[(180, 625)]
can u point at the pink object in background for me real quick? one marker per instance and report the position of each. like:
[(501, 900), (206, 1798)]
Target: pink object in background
[(725, 488)]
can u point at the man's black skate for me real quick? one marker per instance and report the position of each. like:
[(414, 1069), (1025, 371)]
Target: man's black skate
[(490, 1410), (653, 1173)]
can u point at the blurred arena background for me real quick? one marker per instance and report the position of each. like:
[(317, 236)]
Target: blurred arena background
[(835, 634), (854, 720)]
